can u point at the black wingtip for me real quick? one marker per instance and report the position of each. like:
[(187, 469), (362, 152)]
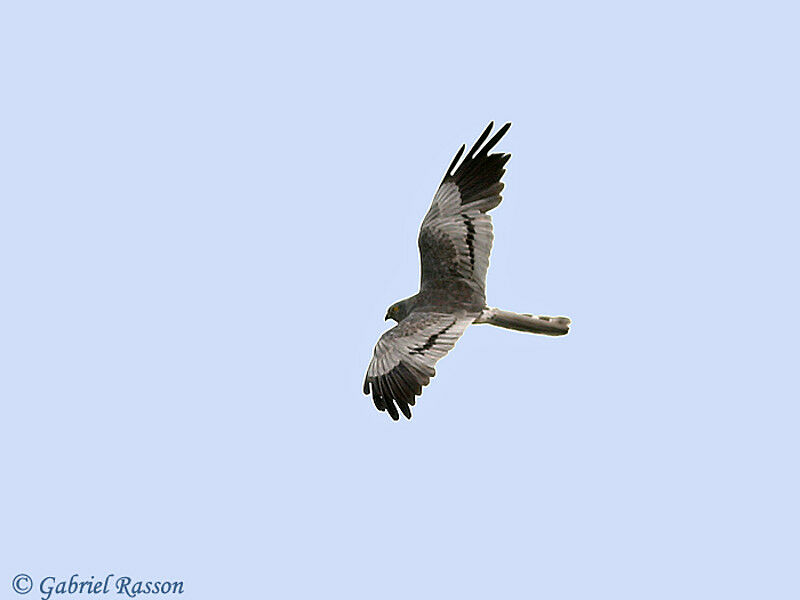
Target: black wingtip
[(476, 147), (480, 140), (496, 138), (455, 160), (392, 409), (404, 408)]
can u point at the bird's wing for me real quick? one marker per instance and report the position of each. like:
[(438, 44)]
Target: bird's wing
[(455, 238), (404, 357)]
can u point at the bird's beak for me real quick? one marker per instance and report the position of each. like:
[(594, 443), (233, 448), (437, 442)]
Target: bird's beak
[(386, 318)]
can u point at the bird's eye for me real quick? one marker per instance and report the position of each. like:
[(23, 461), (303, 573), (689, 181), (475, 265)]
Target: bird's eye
[(395, 308)]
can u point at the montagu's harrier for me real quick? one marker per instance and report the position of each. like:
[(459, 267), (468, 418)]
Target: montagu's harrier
[(454, 245)]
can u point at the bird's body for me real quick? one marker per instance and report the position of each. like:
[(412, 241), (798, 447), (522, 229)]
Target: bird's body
[(455, 241)]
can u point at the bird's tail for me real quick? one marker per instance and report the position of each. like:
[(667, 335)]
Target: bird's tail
[(528, 323)]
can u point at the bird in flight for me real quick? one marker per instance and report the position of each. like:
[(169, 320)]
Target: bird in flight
[(454, 241)]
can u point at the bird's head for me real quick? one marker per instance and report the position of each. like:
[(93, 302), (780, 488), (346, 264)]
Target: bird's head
[(399, 310)]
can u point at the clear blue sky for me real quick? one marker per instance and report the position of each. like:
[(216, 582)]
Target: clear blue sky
[(205, 209)]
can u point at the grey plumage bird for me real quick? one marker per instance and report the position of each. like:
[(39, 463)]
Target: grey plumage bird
[(455, 241)]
